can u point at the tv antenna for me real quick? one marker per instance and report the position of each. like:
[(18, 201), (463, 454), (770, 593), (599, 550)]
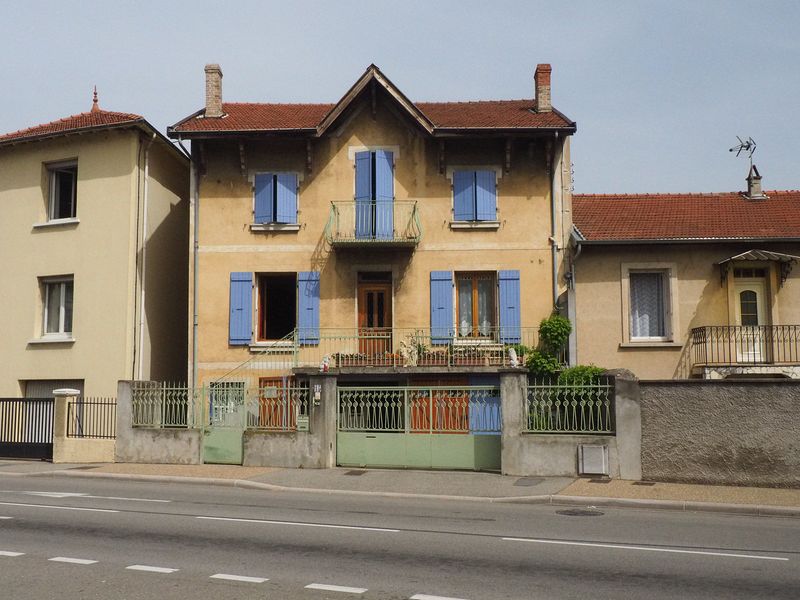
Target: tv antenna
[(748, 145)]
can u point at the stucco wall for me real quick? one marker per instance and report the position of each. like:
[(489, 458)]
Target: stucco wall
[(701, 299), (721, 432), (227, 244)]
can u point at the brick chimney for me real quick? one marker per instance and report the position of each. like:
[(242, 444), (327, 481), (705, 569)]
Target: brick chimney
[(542, 80), (754, 185), (213, 91)]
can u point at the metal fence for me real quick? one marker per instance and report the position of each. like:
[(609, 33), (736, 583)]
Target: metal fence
[(94, 418), (745, 345), (473, 409), (165, 405), (26, 427), (278, 409), (373, 223), (553, 407)]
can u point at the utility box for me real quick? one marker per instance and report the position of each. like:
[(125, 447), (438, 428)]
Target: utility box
[(592, 459)]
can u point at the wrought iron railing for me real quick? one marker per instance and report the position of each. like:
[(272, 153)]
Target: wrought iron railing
[(162, 405), (577, 408), (472, 409), (278, 409), (745, 345), (92, 418), (371, 223)]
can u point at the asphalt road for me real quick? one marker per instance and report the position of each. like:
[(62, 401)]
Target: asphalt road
[(189, 541)]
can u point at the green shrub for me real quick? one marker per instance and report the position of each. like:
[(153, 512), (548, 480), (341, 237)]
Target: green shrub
[(542, 365), (553, 334), (580, 375)]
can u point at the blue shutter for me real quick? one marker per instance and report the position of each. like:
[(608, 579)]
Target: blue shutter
[(485, 196), (441, 307), (264, 196), (463, 195), (308, 307), (363, 209), (287, 198), (510, 332), (241, 305), (384, 195)]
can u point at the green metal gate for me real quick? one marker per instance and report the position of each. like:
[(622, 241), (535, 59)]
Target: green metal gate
[(225, 423), (419, 427)]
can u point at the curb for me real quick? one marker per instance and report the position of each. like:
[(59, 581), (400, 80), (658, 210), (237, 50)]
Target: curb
[(754, 510)]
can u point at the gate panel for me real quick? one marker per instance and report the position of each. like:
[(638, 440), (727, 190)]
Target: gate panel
[(26, 427), (222, 439), (419, 427)]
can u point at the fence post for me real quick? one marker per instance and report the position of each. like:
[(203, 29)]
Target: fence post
[(323, 409), (628, 423), (513, 402), (61, 398)]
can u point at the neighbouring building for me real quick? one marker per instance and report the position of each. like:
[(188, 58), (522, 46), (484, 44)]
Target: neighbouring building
[(689, 285), (387, 241), (94, 246)]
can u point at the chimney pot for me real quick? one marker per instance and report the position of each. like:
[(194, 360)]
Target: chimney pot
[(213, 91), (754, 185), (542, 83)]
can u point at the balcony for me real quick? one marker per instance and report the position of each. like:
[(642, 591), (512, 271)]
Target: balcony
[(745, 346), (373, 224)]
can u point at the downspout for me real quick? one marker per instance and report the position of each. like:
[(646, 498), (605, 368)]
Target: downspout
[(144, 254), (553, 241), (194, 194), (575, 241), (136, 253)]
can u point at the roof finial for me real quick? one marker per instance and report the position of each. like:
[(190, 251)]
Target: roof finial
[(95, 105)]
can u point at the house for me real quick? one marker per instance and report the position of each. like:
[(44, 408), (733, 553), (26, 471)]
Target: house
[(689, 285), (389, 242), (94, 240)]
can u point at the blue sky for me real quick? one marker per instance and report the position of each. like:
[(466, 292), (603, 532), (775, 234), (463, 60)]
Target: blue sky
[(659, 89)]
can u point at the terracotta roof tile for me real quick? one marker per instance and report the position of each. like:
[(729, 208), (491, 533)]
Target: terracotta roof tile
[(621, 217), (83, 121), (494, 114)]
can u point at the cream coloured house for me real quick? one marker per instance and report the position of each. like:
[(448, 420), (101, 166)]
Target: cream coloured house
[(689, 285), (94, 246)]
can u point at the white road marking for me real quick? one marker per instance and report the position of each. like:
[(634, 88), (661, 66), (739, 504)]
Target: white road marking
[(335, 588), (103, 510), (227, 577), (645, 548), (52, 494), (74, 561), (79, 495), (7, 553), (128, 499), (427, 597), (3, 518), (151, 569), (299, 524)]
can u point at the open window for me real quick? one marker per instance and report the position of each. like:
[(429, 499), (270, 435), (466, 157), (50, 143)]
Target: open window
[(276, 310), (63, 191)]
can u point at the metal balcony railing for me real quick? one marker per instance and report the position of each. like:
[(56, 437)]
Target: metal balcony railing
[(745, 345), (373, 223)]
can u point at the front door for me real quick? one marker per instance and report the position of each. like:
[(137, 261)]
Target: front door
[(751, 316), (375, 321)]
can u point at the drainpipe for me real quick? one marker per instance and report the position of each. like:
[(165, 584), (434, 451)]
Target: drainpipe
[(551, 150), (194, 194), (144, 253)]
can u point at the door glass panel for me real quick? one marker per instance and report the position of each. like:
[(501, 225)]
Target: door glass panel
[(370, 309), (485, 309), (465, 307), (380, 316), (748, 308)]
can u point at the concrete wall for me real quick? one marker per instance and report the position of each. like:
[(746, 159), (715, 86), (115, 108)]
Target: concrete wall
[(698, 297), (151, 445), (530, 454), (227, 244), (721, 432)]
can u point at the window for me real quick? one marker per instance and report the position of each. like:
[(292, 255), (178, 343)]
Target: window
[(63, 193), (275, 198), (374, 194), (277, 308), (57, 320), (476, 313), (649, 305), (474, 195)]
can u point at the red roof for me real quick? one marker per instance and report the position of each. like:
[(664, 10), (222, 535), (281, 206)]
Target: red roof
[(626, 217), (493, 114), (84, 121)]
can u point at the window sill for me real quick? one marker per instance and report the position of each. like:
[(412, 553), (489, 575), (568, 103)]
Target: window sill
[(57, 223), (276, 346), (52, 340), (651, 344), (475, 225), (278, 227)]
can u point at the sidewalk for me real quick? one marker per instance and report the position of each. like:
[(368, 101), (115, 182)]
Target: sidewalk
[(487, 487)]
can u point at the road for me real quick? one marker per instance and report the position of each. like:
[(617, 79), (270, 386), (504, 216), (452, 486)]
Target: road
[(77, 538)]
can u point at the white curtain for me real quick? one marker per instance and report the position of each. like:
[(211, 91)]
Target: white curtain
[(647, 305)]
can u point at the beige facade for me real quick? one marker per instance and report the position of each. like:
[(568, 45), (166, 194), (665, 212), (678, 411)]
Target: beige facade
[(127, 231), (519, 239), (700, 296)]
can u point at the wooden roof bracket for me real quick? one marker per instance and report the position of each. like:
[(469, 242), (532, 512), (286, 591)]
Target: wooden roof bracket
[(308, 156), (242, 159), (442, 158), (508, 156)]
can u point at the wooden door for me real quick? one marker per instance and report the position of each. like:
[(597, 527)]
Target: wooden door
[(375, 320)]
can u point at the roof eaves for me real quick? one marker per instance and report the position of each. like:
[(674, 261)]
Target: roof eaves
[(74, 131), (698, 240)]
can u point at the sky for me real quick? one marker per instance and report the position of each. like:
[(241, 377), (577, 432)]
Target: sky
[(659, 90)]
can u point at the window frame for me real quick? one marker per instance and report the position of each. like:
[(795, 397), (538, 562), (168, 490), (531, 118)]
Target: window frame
[(668, 272), (474, 277), (45, 284), (53, 191), (274, 225), (258, 278)]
